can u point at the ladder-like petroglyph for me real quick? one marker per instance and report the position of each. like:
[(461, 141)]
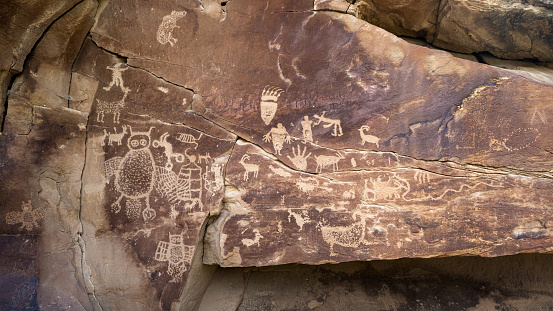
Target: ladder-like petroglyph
[(189, 139)]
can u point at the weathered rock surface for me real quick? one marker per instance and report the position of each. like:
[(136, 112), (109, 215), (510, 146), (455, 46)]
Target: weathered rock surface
[(508, 29), (244, 133)]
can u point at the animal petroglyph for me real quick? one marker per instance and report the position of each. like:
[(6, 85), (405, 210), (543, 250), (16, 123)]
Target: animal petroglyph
[(117, 77), (335, 123), (189, 139), (351, 236), (255, 240), (307, 185), (115, 137), (29, 218), (105, 107), (389, 189), (268, 104), (306, 129), (367, 138), (134, 175), (279, 136), (519, 139), (168, 24), (324, 161), (279, 171), (249, 167), (300, 159), (184, 188), (168, 150), (176, 254), (301, 218)]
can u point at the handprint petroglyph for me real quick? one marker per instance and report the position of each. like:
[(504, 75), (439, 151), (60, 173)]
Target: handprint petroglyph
[(300, 159)]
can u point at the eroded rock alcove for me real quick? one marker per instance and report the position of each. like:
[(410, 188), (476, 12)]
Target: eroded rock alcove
[(188, 154)]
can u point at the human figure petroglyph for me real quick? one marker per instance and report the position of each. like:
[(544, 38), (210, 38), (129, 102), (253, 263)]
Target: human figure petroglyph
[(135, 174), (189, 139), (300, 159), (105, 107), (269, 103), (168, 150), (335, 123), (351, 236), (279, 171), (117, 77), (324, 161), (279, 136), (115, 137), (29, 218), (168, 24), (390, 189), (306, 129), (176, 254), (255, 240), (367, 138), (249, 167), (213, 178)]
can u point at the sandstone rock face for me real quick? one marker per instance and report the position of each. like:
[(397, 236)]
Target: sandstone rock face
[(243, 134), (507, 29)]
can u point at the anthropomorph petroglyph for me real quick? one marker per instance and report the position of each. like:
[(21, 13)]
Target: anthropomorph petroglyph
[(351, 236), (168, 151), (335, 123), (249, 167), (389, 189), (117, 77), (176, 254), (324, 161), (184, 188), (279, 136), (29, 218), (115, 137), (367, 138), (306, 129), (300, 159), (168, 24), (189, 139), (105, 107), (213, 178), (268, 104), (134, 176)]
